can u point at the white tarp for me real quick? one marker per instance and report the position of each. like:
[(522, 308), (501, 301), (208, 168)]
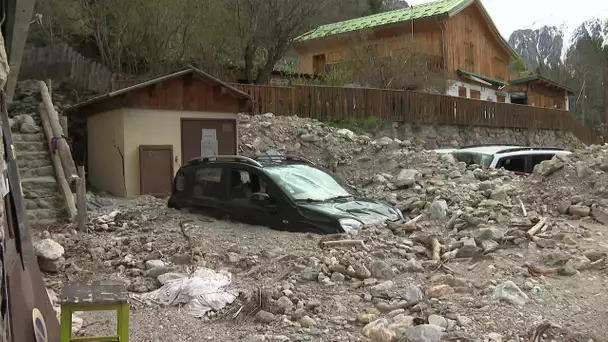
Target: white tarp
[(204, 291)]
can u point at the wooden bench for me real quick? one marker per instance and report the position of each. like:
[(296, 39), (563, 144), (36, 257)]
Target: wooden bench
[(94, 296)]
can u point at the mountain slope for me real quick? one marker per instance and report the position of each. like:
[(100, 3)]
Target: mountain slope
[(549, 45)]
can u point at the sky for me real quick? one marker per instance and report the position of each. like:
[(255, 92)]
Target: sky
[(510, 15)]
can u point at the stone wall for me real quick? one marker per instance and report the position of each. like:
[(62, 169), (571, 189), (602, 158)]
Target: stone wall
[(440, 136)]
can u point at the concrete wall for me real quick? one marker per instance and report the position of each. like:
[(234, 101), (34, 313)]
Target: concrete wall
[(105, 138), (487, 94), (154, 127)]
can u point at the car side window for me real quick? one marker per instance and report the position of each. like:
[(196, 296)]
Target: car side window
[(515, 163), (207, 182), (537, 159)]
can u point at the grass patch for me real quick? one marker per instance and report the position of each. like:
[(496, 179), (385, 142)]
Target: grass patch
[(370, 124)]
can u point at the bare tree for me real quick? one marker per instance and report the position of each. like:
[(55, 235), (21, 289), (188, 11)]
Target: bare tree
[(266, 29), (408, 68)]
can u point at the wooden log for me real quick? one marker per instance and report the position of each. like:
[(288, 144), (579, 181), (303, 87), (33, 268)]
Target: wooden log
[(530, 233), (81, 197), (63, 149), (59, 174), (63, 121), (435, 248)]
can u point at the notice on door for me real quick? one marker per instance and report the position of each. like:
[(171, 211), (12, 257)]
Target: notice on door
[(208, 143)]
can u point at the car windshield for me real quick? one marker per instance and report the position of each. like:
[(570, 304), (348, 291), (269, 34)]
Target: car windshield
[(304, 182), (474, 158)]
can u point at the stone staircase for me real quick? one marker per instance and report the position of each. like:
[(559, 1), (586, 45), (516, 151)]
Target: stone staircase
[(43, 201)]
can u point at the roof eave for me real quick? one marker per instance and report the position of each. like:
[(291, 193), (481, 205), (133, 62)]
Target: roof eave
[(189, 69), (342, 34)]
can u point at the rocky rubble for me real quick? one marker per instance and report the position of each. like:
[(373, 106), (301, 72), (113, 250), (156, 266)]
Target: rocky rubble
[(483, 255)]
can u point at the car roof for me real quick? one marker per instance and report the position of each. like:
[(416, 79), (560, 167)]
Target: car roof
[(261, 161), (511, 149), (487, 149)]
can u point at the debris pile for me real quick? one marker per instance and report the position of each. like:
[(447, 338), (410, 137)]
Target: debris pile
[(482, 255)]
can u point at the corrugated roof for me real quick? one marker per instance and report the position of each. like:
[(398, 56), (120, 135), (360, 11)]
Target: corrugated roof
[(485, 78), (431, 9), (536, 77)]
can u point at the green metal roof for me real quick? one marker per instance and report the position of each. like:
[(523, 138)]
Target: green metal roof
[(537, 77), (494, 81), (431, 9)]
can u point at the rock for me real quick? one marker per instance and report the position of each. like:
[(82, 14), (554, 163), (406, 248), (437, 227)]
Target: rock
[(381, 290), (284, 304), (307, 322), (438, 210), (309, 275), (439, 291), (579, 210), (510, 293), (438, 321), (599, 215), (463, 320), (424, 333), (28, 125), (379, 323), (307, 137), (407, 178), (362, 272), (346, 133), (337, 277), (264, 317), (400, 324), (494, 337), (413, 292), (52, 266), (413, 266), (582, 170), (381, 270), (380, 334), (469, 249), (48, 249), (493, 234), (548, 167)]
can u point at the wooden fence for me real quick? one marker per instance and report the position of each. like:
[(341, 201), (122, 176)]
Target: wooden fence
[(59, 61), (335, 103)]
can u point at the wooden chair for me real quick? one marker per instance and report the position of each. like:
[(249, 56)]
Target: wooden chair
[(94, 296)]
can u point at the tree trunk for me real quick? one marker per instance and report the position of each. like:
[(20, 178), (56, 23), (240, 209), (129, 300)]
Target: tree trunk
[(63, 183), (249, 55), (69, 168)]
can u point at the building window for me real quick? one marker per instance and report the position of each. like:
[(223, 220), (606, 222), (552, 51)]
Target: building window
[(475, 94), (469, 55), (501, 98), (462, 91)]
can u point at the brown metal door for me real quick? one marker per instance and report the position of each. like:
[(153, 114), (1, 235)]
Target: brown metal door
[(155, 170), (192, 133)]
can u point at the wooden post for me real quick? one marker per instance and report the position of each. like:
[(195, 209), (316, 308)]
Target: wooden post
[(81, 197), (69, 168), (63, 121), (59, 174)]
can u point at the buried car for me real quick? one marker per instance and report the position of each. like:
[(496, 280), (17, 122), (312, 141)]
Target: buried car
[(282, 192)]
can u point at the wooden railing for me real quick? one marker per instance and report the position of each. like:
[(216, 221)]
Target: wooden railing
[(336, 103)]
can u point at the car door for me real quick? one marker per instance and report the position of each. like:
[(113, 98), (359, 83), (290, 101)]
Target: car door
[(240, 204), (516, 164), (535, 159), (208, 191)]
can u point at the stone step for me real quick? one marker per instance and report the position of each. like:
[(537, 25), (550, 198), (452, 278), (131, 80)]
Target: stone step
[(37, 160), (42, 218), (31, 146), (38, 137), (40, 186), (50, 202), (44, 170), (33, 155)]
